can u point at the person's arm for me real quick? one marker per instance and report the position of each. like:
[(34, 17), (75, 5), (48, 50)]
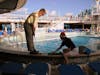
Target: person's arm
[(57, 49), (33, 21)]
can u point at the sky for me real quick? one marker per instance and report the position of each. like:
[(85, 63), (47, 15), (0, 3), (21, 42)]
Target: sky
[(59, 7)]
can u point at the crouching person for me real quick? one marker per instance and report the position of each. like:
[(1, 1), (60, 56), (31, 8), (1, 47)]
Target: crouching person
[(68, 43)]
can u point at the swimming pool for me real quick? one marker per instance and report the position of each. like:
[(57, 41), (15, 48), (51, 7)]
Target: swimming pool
[(47, 46)]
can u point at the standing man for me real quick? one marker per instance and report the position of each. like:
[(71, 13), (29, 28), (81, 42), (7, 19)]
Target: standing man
[(30, 25)]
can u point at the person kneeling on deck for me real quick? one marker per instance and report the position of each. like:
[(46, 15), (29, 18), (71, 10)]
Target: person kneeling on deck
[(71, 48), (67, 42)]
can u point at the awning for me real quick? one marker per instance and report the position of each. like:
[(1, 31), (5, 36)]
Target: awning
[(10, 5)]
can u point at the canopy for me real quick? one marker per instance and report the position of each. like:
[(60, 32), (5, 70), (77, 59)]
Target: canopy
[(10, 5)]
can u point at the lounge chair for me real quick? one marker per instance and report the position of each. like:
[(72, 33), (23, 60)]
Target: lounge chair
[(95, 66), (38, 69), (11, 68), (69, 69)]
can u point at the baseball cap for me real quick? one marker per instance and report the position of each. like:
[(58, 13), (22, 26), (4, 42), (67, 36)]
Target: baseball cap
[(62, 34)]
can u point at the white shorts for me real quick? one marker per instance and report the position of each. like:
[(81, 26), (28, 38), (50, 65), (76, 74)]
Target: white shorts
[(74, 52)]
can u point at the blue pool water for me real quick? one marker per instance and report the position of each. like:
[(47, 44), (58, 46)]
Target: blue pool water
[(47, 46)]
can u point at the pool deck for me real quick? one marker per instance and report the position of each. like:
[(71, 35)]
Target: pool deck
[(8, 54), (23, 56)]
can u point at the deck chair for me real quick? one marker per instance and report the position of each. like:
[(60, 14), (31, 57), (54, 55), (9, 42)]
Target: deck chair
[(95, 66), (69, 69), (1, 63), (11, 68), (38, 69)]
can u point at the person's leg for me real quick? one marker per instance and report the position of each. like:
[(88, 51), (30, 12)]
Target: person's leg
[(66, 54), (29, 37), (66, 50), (66, 58)]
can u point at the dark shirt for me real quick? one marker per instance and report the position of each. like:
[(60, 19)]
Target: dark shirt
[(68, 42)]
